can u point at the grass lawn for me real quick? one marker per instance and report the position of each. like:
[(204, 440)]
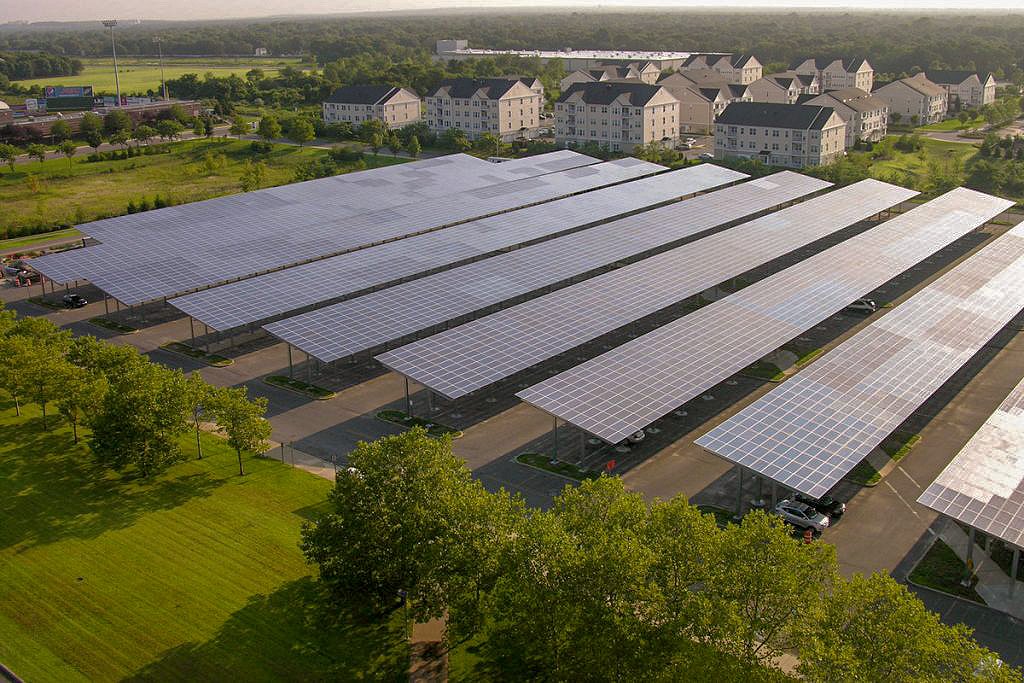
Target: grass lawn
[(950, 125), (141, 74), (914, 165), (32, 240), (193, 575), (54, 192), (942, 570), (566, 469)]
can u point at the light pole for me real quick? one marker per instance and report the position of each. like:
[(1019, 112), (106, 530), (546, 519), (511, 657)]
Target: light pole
[(160, 51), (111, 23)]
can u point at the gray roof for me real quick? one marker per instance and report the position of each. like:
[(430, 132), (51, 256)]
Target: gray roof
[(362, 94), (953, 77), (606, 92), (464, 88), (774, 115), (850, 65), (857, 99), (919, 84)]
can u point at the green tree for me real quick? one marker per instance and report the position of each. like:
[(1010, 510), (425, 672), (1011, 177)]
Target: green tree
[(121, 137), (239, 127), (81, 395), (198, 395), (91, 123), (198, 127), (44, 368), (15, 351), (371, 127), (169, 128), (117, 121), (874, 629), (61, 131), (301, 131), (242, 420), (413, 148), (9, 155), (270, 128), (376, 142), (144, 133), (37, 151), (394, 144), (68, 149), (253, 175)]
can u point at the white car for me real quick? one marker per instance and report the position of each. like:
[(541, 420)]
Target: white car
[(801, 515), (865, 306), (690, 141)]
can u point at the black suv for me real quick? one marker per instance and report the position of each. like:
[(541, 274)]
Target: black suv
[(74, 301)]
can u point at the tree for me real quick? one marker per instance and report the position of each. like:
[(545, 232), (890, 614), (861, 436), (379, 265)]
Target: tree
[(91, 123), (270, 128), (394, 144), (121, 137), (198, 394), (44, 368), (371, 127), (37, 151), (301, 131), (413, 148), (198, 127), (169, 129), (61, 130), (253, 175), (896, 117), (15, 351), (874, 629), (81, 394), (144, 133), (239, 127), (8, 154), (241, 419), (68, 149), (376, 142), (117, 121)]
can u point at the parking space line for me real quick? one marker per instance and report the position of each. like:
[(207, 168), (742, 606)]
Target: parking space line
[(902, 499)]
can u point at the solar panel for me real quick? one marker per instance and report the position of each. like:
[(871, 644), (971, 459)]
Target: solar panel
[(469, 357), (260, 298), (309, 209), (365, 322), (631, 386), (983, 486), (814, 429)]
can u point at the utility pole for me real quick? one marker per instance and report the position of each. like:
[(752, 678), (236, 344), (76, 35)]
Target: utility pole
[(111, 23), (160, 51)]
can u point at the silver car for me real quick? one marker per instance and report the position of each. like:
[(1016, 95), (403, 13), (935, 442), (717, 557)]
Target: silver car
[(801, 515)]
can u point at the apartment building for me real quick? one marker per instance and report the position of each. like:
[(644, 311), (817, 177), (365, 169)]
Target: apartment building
[(792, 135), (618, 114), (742, 69), (837, 74), (964, 88), (866, 116), (532, 83), (354, 104), (914, 100), (605, 73), (505, 107), (774, 89)]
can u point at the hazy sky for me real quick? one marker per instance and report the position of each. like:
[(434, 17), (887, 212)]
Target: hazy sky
[(77, 10)]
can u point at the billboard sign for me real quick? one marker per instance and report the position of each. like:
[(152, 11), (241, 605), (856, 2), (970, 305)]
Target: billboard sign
[(54, 91)]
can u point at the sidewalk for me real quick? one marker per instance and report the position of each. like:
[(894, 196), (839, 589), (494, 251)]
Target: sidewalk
[(304, 461), (993, 583)]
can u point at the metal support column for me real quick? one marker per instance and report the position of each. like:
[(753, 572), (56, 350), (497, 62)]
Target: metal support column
[(106, 304), (775, 495), (309, 369), (1013, 570), (430, 401), (291, 368), (192, 330), (970, 548), (554, 439), (739, 492), (408, 401)]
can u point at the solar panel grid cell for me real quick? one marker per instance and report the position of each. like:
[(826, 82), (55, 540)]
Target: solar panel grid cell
[(629, 387), (262, 297), (342, 329), (471, 356)]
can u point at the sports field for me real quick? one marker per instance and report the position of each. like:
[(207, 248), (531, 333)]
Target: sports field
[(139, 75), (193, 575)]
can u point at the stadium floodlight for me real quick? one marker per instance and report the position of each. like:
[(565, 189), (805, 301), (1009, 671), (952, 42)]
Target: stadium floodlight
[(160, 52), (111, 23)]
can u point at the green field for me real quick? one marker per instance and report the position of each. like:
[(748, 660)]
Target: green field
[(54, 192), (193, 575), (914, 165), (139, 75), (951, 125)]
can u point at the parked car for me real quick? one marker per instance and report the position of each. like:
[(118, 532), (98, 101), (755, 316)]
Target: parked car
[(690, 141), (826, 505), (706, 156), (801, 515), (865, 306), (74, 301)]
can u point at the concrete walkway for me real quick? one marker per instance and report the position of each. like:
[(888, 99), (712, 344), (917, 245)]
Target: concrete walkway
[(993, 585)]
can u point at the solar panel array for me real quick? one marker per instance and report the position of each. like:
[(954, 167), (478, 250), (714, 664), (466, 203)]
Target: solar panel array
[(260, 298), (631, 386), (365, 322), (814, 429), (983, 486), (219, 240), (469, 357)]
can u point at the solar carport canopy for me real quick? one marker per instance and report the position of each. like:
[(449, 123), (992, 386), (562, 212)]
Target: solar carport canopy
[(469, 357), (365, 322), (343, 196), (229, 247), (983, 486), (627, 388), (814, 429), (260, 298)]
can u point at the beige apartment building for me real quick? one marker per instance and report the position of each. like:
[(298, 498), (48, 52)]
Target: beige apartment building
[(505, 107), (354, 104), (620, 115), (645, 73), (791, 135), (866, 116), (964, 88), (914, 100), (837, 74), (742, 69)]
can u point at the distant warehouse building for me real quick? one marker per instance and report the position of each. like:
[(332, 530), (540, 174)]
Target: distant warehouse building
[(793, 135), (619, 115), (354, 104), (506, 107)]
